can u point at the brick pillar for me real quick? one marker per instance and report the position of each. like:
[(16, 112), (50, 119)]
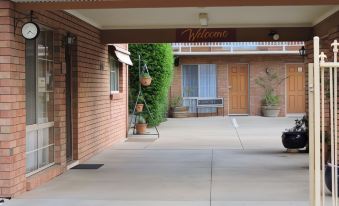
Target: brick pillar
[(12, 105), (222, 87), (59, 100)]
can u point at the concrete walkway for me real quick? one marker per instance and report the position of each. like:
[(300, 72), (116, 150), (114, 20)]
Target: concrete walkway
[(200, 162)]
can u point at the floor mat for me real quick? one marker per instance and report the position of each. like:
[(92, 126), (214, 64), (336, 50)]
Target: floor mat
[(87, 166)]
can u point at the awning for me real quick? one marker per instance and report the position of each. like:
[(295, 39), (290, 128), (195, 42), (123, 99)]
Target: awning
[(123, 56)]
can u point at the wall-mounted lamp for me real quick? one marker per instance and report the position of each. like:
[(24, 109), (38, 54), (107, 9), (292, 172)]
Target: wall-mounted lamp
[(70, 39), (275, 36), (176, 61), (203, 18), (302, 51), (268, 70)]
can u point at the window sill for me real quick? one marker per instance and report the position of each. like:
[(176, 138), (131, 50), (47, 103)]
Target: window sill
[(116, 95)]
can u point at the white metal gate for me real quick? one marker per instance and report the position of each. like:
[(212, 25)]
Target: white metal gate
[(323, 99)]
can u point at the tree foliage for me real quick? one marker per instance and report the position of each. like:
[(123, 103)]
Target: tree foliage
[(159, 60)]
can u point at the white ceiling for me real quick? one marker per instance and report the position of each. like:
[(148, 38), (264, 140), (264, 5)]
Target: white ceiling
[(263, 16)]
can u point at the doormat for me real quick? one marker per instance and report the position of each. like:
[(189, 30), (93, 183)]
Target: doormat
[(87, 166)]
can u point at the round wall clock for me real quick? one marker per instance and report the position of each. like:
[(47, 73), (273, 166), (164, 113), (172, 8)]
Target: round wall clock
[(30, 30)]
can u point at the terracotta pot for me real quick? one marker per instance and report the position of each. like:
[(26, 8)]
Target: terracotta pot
[(145, 81), (141, 128), (139, 108)]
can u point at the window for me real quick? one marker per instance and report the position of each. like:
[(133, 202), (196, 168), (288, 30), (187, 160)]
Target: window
[(114, 72), (198, 81), (39, 103)]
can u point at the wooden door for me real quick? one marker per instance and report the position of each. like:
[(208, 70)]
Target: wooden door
[(238, 88), (295, 88)]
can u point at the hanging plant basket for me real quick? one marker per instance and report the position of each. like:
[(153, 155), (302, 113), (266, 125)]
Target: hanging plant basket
[(139, 108), (145, 80)]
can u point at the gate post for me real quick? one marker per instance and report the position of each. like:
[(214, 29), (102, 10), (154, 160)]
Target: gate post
[(316, 124), (311, 133)]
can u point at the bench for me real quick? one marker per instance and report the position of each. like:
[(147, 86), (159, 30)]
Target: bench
[(210, 103)]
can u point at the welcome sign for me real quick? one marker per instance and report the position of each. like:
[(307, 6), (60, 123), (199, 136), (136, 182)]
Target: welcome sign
[(205, 35)]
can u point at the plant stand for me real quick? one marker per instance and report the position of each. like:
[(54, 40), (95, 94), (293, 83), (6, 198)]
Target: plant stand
[(135, 114)]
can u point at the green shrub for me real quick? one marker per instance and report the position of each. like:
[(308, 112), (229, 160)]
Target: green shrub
[(141, 100), (159, 60)]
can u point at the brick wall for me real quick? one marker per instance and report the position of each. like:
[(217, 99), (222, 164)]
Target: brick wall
[(99, 119), (257, 67), (12, 105), (328, 31)]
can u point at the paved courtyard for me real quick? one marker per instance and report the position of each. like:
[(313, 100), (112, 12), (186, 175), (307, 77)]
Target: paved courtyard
[(201, 162)]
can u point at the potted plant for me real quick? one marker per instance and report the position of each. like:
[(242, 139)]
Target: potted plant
[(296, 137), (270, 105), (140, 104), (140, 125), (177, 110), (270, 102), (145, 79)]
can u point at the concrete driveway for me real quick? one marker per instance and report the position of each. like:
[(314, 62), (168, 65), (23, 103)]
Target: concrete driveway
[(200, 162)]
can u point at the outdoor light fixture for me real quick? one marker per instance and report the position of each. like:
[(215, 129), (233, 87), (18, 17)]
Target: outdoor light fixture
[(203, 17), (275, 36), (70, 40), (176, 61), (302, 51)]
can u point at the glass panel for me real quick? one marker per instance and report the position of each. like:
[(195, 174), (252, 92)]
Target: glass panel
[(45, 156), (42, 67), (207, 81), (30, 83), (41, 43), (49, 45), (50, 106), (32, 141), (45, 92), (49, 77), (114, 74), (31, 162), (207, 84), (113, 80), (46, 137), (42, 109), (190, 80)]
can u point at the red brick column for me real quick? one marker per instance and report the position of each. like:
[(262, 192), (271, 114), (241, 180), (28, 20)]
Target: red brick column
[(222, 86), (12, 105)]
